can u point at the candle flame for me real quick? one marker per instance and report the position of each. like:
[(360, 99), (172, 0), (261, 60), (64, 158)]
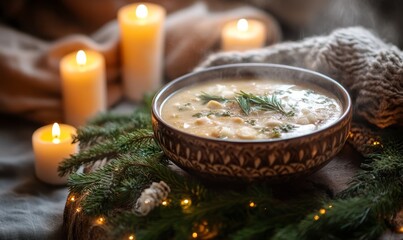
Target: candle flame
[(56, 133), (81, 58), (242, 25), (141, 11)]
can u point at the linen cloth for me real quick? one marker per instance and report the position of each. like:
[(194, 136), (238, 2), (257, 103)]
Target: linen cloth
[(29, 66), (29, 209)]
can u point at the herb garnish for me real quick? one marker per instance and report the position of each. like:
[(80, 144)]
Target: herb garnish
[(243, 103), (205, 97), (276, 131), (286, 127), (261, 103), (251, 122), (217, 114), (249, 101)]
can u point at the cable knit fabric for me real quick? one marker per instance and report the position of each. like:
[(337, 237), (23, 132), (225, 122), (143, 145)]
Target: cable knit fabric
[(371, 70)]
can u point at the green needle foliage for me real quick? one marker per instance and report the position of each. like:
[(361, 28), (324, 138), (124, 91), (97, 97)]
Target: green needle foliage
[(262, 103), (259, 211), (249, 101), (205, 97)]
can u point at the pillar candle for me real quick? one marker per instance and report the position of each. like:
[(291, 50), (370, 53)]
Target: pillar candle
[(142, 39), (52, 144), (83, 86), (243, 35)]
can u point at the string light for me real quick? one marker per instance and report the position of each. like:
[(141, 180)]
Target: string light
[(101, 220), (350, 135), (202, 230), (316, 218), (132, 237), (72, 198), (78, 209), (252, 204), (330, 206), (322, 211), (165, 203), (400, 229), (186, 203), (376, 143)]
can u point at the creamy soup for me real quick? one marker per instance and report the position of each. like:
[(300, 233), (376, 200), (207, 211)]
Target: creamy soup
[(250, 109)]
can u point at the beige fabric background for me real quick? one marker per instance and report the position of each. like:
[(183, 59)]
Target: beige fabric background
[(30, 83)]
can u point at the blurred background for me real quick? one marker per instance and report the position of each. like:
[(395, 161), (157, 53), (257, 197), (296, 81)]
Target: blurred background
[(36, 34)]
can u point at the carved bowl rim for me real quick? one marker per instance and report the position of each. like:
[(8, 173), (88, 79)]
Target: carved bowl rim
[(171, 88)]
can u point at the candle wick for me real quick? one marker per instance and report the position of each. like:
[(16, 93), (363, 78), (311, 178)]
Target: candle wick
[(56, 139)]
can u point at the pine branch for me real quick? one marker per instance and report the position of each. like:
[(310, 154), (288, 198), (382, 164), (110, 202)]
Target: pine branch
[(360, 212), (113, 185), (112, 126), (109, 149)]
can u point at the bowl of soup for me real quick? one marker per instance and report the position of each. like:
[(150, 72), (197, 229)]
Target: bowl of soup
[(251, 122)]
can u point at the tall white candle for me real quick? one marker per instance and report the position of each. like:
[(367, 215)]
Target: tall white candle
[(83, 86), (52, 144), (142, 39), (243, 35)]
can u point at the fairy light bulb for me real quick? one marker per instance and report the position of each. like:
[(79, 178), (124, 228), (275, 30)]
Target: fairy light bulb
[(101, 220), (252, 204), (141, 11), (322, 211), (316, 218), (186, 203), (194, 235), (376, 143)]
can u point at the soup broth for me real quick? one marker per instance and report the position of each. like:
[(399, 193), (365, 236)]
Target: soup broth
[(250, 109)]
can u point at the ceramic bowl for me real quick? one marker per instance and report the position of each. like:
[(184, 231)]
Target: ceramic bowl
[(270, 159)]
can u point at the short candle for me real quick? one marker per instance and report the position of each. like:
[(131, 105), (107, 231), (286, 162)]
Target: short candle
[(83, 86), (142, 44), (52, 144), (243, 35)]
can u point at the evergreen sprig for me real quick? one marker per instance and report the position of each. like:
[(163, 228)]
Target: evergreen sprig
[(265, 102), (249, 101), (135, 161)]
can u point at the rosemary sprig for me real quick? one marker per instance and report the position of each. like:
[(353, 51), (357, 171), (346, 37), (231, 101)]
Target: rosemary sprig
[(261, 103), (244, 104), (205, 97), (249, 101)]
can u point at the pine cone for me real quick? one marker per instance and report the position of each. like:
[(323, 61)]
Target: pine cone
[(151, 198)]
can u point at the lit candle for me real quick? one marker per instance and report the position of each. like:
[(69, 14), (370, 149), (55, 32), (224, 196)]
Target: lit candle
[(83, 86), (243, 35), (142, 35), (52, 144)]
